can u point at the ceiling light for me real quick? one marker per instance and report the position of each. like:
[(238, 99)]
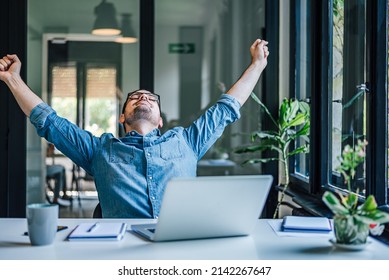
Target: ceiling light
[(105, 23), (128, 34)]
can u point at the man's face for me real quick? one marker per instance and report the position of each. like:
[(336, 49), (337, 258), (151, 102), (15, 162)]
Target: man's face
[(142, 105)]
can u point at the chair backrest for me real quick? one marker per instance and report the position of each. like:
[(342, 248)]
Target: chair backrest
[(97, 213)]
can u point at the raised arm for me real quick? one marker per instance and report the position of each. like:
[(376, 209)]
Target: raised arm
[(10, 74), (244, 86)]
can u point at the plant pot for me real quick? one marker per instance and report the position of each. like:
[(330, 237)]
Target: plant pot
[(349, 231)]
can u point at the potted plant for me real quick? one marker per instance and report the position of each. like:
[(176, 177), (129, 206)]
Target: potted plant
[(353, 222), (293, 122)]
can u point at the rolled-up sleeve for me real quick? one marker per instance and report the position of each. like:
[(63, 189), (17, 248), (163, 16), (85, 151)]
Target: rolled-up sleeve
[(232, 103), (39, 115), (77, 144)]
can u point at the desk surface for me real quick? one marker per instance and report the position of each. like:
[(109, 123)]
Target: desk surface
[(264, 243)]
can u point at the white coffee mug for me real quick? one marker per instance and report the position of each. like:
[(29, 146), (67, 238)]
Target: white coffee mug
[(42, 220)]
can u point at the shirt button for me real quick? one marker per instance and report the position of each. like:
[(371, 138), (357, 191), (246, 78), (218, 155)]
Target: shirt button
[(148, 154), (132, 133), (150, 177), (153, 198)]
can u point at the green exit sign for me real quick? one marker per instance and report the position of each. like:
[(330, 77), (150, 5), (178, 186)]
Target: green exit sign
[(182, 48)]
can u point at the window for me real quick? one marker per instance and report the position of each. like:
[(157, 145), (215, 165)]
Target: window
[(83, 87), (64, 91), (349, 92), (341, 64), (303, 79), (101, 102)]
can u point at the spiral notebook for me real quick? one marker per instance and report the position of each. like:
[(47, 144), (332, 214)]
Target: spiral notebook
[(98, 231)]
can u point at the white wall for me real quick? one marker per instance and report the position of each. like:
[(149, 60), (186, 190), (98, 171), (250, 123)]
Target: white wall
[(167, 70)]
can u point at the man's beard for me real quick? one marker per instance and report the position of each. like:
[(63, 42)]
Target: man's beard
[(142, 113)]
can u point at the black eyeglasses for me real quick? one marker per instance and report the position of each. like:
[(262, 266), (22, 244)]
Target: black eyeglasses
[(136, 95), (150, 96)]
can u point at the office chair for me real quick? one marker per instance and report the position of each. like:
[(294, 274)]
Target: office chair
[(79, 174), (97, 213)]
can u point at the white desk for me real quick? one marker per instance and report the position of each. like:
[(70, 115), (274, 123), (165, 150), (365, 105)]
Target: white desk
[(262, 244)]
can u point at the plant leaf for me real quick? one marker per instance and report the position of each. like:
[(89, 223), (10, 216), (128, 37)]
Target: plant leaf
[(264, 134), (351, 200), (256, 99), (373, 217), (334, 204), (250, 149), (304, 107), (298, 120), (302, 149), (369, 205), (260, 160), (304, 130)]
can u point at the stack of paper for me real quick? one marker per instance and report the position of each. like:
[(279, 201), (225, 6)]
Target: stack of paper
[(98, 231), (306, 224)]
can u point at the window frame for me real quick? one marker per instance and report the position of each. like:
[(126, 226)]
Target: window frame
[(314, 180), (377, 131)]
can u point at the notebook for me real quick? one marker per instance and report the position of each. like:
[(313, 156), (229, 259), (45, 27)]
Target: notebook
[(98, 231), (306, 224), (208, 207)]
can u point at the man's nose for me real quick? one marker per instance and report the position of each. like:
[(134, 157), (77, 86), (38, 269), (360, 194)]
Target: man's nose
[(144, 96)]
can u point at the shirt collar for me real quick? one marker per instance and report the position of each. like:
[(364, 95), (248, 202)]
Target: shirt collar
[(154, 132)]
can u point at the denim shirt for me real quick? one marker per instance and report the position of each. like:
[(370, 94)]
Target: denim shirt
[(131, 173)]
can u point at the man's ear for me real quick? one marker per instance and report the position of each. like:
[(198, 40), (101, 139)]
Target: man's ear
[(160, 124), (122, 118)]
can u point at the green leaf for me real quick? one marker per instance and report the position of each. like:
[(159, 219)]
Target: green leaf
[(298, 120), (334, 204), (373, 217), (251, 149), (351, 200), (304, 108), (369, 205), (294, 108), (304, 130), (305, 138), (302, 149), (256, 99), (260, 160), (265, 134)]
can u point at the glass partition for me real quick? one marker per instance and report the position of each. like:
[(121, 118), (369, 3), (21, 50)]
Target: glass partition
[(202, 48), (81, 75)]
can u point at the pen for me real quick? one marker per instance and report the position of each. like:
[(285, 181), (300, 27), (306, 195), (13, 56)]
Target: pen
[(93, 227)]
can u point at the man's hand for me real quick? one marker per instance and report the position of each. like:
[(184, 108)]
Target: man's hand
[(244, 86), (9, 65), (259, 52)]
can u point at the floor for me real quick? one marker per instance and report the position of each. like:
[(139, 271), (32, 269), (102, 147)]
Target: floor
[(82, 208)]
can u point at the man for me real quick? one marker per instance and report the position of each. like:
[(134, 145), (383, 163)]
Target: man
[(131, 172)]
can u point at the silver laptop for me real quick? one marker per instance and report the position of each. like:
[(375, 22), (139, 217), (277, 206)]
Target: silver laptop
[(208, 207)]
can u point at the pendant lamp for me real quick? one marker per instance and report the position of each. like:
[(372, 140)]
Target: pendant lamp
[(105, 23), (128, 34)]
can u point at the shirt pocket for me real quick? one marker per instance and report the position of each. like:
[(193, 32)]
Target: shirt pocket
[(171, 149), (120, 152)]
